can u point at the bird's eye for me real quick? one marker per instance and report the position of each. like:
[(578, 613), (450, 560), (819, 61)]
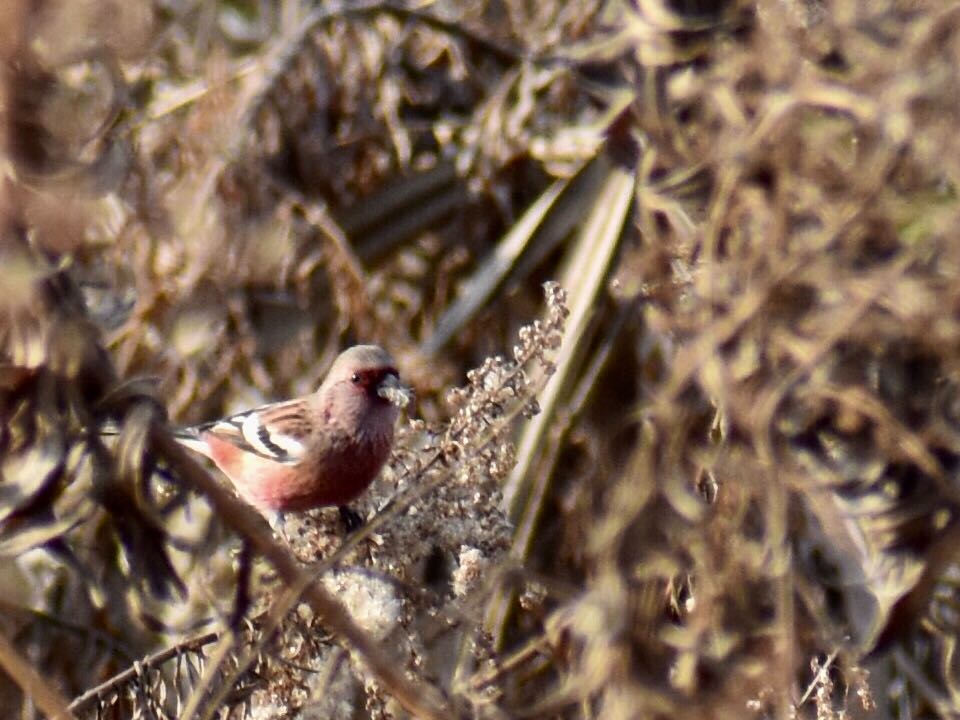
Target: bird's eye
[(355, 378)]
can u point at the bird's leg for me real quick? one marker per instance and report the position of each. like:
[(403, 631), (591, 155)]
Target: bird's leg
[(351, 518), (277, 521)]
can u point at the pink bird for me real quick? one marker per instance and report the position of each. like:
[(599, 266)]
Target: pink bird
[(321, 449)]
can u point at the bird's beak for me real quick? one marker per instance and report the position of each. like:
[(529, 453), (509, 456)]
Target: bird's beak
[(393, 391)]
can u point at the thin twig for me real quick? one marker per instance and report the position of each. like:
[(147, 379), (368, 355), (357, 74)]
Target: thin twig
[(194, 644), (818, 678), (195, 703)]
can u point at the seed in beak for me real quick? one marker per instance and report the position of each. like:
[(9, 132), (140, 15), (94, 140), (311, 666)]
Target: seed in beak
[(393, 391)]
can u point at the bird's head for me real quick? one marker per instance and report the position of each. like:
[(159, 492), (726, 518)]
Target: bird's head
[(364, 385)]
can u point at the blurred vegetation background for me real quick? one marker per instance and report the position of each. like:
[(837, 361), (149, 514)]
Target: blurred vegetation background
[(713, 472)]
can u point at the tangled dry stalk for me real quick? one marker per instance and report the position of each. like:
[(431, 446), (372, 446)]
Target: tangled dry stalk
[(717, 478)]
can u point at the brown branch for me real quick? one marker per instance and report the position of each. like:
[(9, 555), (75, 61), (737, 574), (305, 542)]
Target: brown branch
[(193, 644)]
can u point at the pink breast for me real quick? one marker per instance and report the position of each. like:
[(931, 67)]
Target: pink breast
[(334, 478)]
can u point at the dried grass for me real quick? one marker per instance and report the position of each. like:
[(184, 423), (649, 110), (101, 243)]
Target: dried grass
[(718, 478)]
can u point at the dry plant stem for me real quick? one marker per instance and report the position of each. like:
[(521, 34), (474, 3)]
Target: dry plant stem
[(81, 702), (589, 259), (351, 276), (821, 673), (418, 698), (481, 679), (46, 697), (195, 702), (478, 680), (280, 609), (330, 674)]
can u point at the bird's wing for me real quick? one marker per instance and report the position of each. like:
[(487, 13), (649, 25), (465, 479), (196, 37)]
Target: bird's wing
[(276, 432)]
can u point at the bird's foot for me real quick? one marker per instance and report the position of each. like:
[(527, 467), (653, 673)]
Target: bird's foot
[(277, 524), (351, 518)]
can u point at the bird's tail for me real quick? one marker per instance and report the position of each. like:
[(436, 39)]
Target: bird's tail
[(187, 436), (190, 438)]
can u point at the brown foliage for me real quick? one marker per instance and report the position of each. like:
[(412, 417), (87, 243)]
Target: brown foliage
[(735, 496)]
